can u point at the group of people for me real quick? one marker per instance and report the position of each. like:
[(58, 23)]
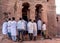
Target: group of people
[(16, 30)]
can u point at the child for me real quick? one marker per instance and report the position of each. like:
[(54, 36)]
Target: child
[(44, 30)]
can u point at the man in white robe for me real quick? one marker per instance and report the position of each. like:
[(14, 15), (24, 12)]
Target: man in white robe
[(30, 29), (21, 27), (9, 28), (4, 29), (34, 29), (13, 29), (39, 26)]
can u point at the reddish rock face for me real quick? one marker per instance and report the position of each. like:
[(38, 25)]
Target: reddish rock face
[(45, 10)]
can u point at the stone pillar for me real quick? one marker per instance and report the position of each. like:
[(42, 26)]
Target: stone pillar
[(44, 14), (32, 12), (19, 10)]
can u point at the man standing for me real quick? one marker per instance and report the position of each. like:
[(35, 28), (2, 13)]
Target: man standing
[(30, 29), (4, 29), (39, 26), (21, 27), (9, 28), (13, 29), (34, 29)]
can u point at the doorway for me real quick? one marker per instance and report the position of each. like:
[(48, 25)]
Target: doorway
[(25, 10), (38, 11)]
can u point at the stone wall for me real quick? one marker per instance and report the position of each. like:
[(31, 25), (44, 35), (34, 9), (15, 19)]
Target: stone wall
[(1, 14), (58, 25), (51, 14)]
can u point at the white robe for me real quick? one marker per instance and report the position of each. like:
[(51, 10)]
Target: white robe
[(39, 24), (4, 28), (34, 29), (9, 26), (13, 28), (44, 27), (30, 27), (23, 24)]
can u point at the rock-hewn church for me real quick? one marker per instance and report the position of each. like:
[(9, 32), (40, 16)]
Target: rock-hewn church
[(30, 9)]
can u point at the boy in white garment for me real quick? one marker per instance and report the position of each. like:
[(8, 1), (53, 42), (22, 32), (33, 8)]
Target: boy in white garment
[(44, 30), (39, 26), (30, 29), (4, 29), (9, 28), (34, 30), (13, 29)]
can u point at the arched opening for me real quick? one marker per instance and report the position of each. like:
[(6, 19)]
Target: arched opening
[(25, 11), (47, 0), (38, 11)]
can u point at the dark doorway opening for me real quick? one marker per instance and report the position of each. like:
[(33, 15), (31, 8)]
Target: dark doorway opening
[(38, 11), (25, 10)]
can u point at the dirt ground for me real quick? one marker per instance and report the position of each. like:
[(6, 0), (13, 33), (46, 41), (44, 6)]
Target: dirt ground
[(54, 40)]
